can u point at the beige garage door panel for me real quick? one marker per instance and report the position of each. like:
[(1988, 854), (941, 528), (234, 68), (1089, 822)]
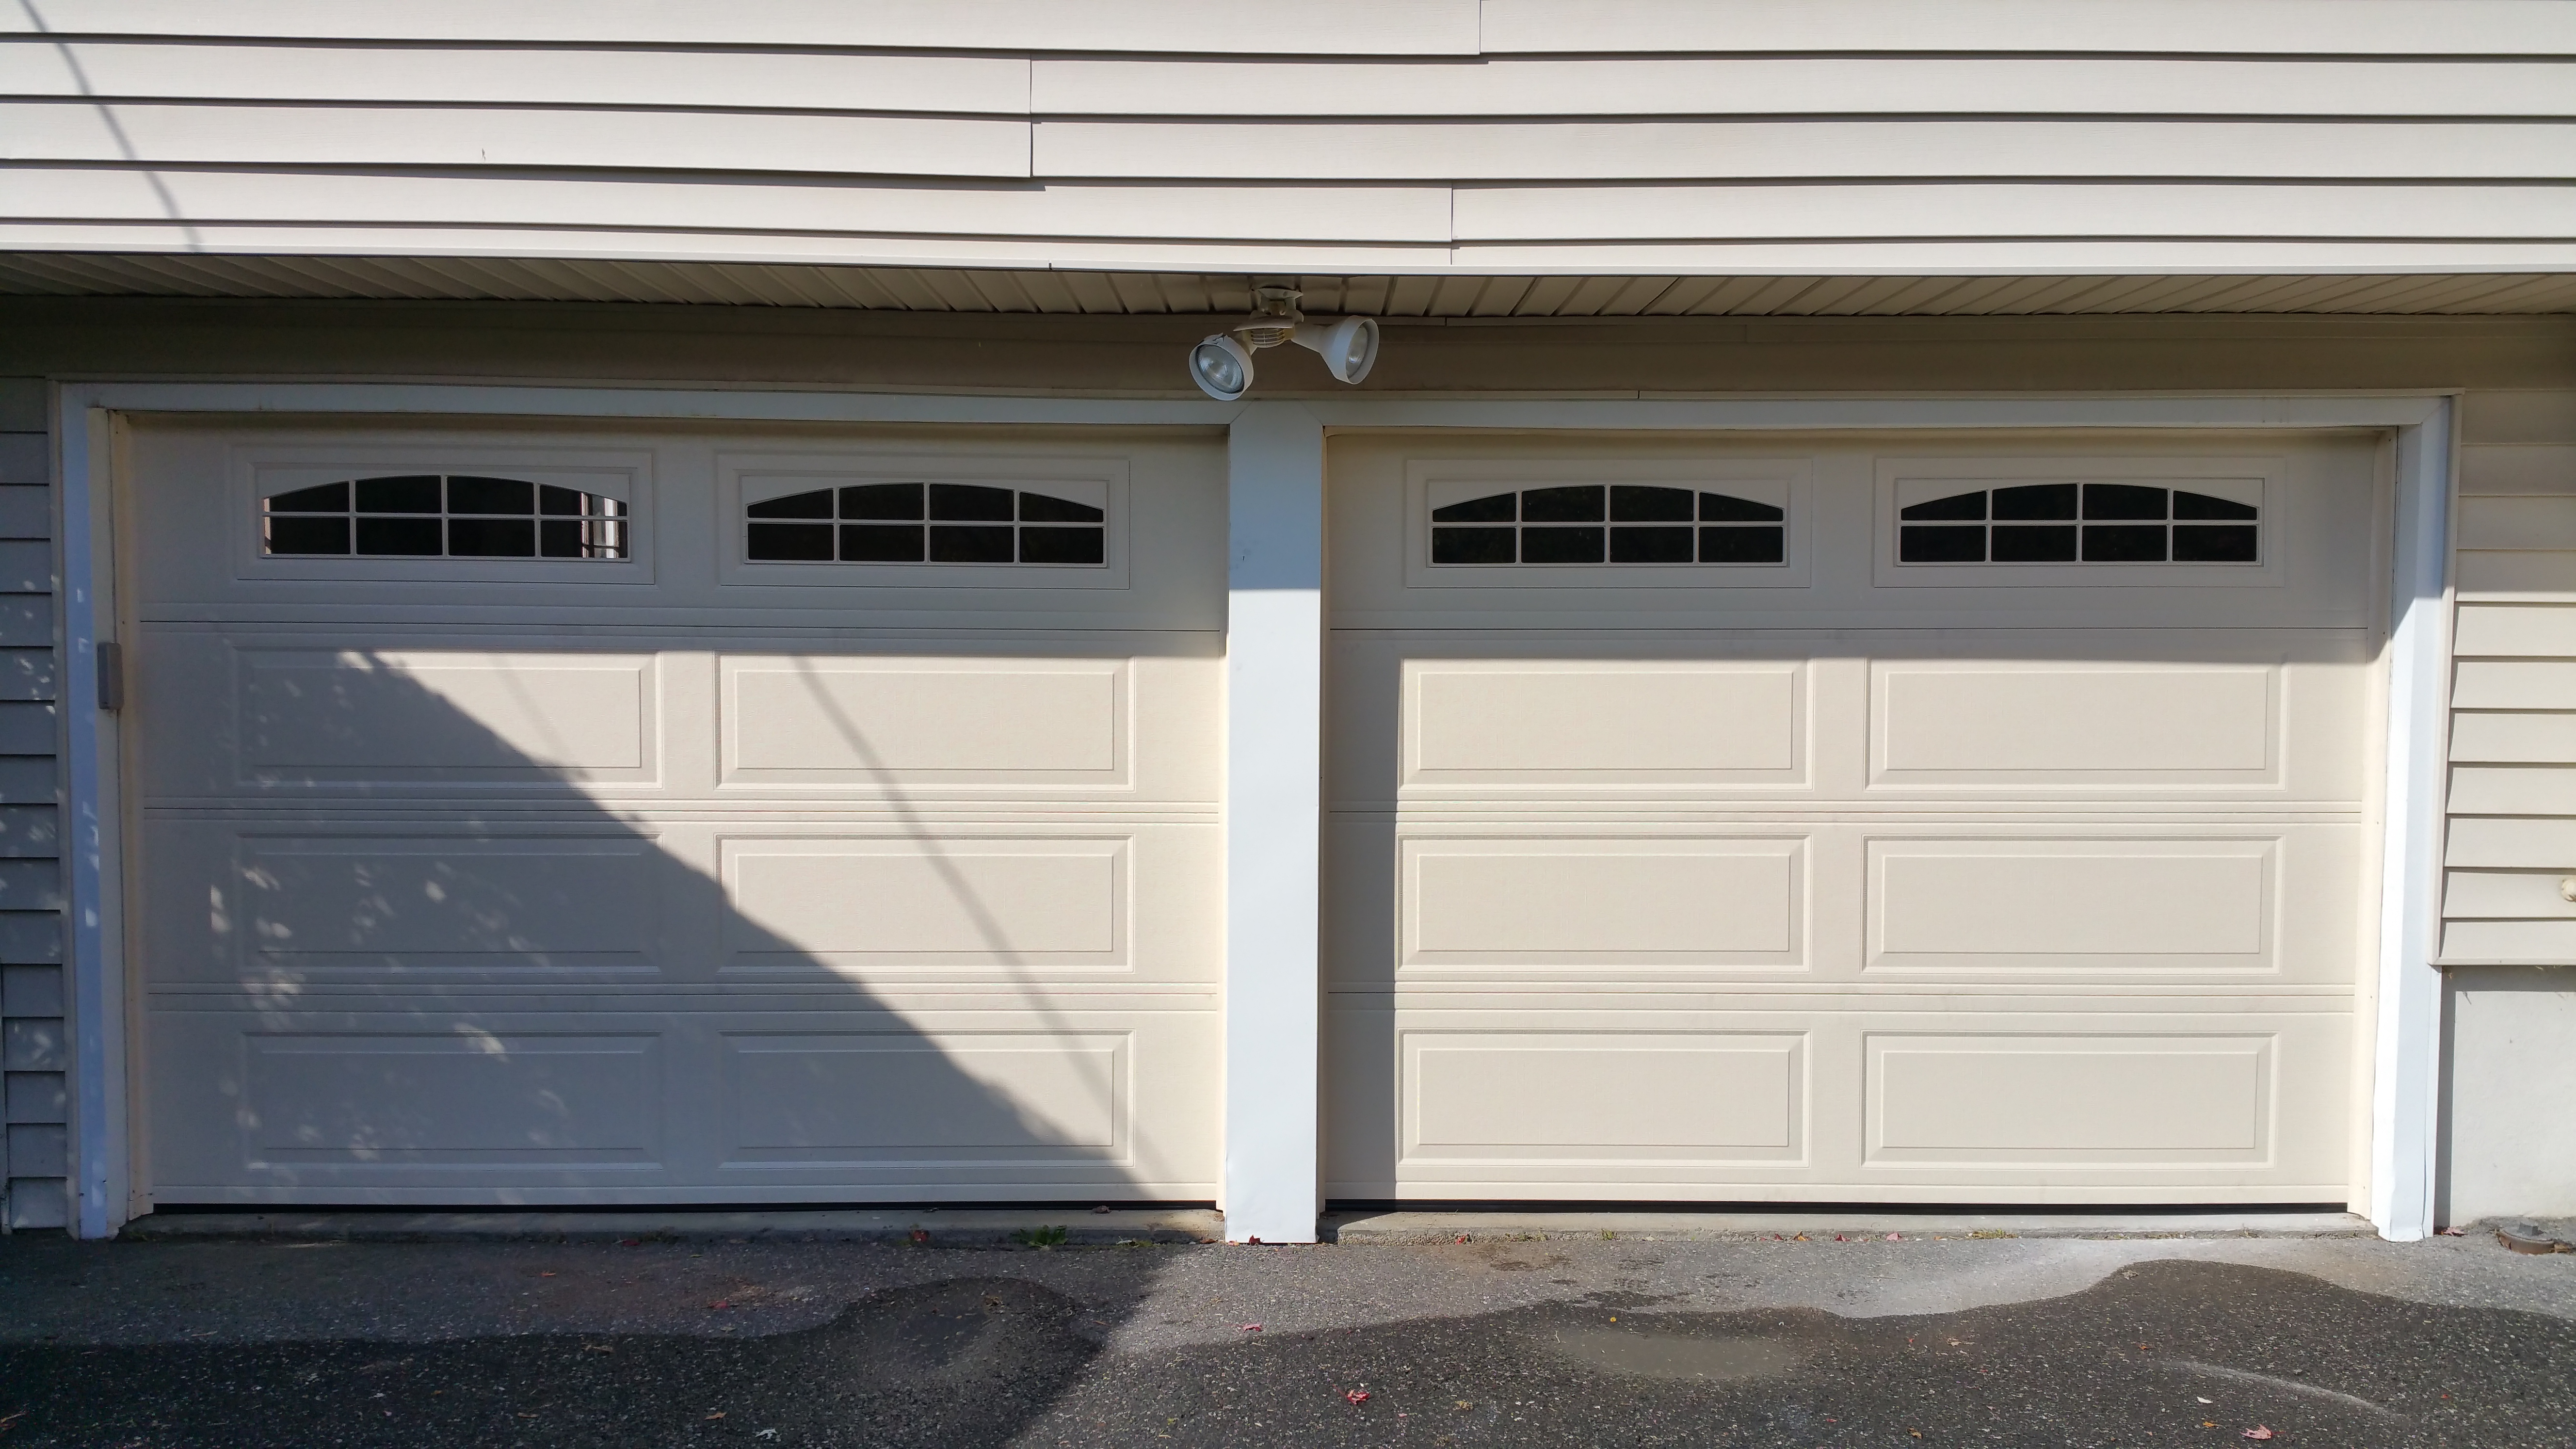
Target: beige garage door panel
[(1032, 909), (2029, 865), (2018, 1100), (1561, 905), (1858, 716), (822, 1100), (334, 714), (686, 875)]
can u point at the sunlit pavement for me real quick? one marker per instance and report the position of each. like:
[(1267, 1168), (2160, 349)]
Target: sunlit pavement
[(1918, 1341)]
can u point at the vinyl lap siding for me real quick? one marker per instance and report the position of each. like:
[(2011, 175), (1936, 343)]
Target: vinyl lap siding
[(1320, 136), (2513, 726), (35, 1045)]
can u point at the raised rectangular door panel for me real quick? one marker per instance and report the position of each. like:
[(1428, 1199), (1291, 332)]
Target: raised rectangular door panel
[(2074, 1101), (1508, 1098), (877, 724), (989, 901), (1578, 904), (884, 1098), (2072, 904), (1556, 723)]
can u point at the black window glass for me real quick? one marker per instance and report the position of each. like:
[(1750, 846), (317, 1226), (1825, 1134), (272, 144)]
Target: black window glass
[(1500, 508), (401, 537), (1957, 508), (1940, 543), (2201, 505), (2123, 500), (398, 495), (1039, 508), (1651, 545), (882, 500), (1573, 504), (2124, 543), (2215, 543), (970, 543), (790, 542), (880, 543), (817, 504), (485, 517), (1473, 545), (2035, 500), (1561, 545), (2039, 544), (492, 537), (1638, 503), (323, 498), (969, 501), (308, 535), (1723, 508), (466, 494), (1742, 545), (1063, 545)]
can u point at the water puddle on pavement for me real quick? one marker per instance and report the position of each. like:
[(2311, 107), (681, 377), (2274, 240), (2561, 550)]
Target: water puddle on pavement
[(1722, 1359)]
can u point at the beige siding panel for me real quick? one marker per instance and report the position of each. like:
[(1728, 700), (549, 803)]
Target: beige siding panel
[(2513, 790), (2509, 940), (2176, 210), (1213, 213), (2541, 468), (1763, 86), (2529, 843), (392, 74), (2514, 738), (2517, 523), (2533, 895), (1313, 27), (2515, 684), (2539, 630), (2534, 575), (1753, 150), (2286, 27), (2518, 417), (557, 137)]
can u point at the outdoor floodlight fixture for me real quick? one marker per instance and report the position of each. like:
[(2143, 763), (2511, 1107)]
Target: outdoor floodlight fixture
[(1222, 364)]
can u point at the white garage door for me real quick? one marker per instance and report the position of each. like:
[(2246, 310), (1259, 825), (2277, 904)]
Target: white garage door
[(1868, 819), (528, 815)]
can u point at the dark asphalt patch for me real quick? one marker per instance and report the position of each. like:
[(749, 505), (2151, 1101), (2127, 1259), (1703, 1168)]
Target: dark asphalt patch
[(988, 1361), (962, 1362), (2126, 1363)]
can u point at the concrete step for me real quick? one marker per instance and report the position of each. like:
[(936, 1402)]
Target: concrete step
[(949, 1227), (1508, 1225)]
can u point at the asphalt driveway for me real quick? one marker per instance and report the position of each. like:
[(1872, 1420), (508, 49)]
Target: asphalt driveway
[(1912, 1342)]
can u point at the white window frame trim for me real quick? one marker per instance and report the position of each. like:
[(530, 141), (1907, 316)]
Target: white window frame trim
[(1272, 1182)]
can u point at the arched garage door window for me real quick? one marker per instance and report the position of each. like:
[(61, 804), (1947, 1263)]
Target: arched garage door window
[(2094, 523), (443, 515), (1617, 523), (939, 523)]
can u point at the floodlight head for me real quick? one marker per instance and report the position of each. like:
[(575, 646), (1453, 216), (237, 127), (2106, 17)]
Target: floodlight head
[(1222, 367), (1348, 347)]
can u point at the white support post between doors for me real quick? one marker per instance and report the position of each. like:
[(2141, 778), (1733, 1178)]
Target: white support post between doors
[(2406, 1082), (1274, 758)]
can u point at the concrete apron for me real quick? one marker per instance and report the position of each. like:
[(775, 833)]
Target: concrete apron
[(1003, 1227)]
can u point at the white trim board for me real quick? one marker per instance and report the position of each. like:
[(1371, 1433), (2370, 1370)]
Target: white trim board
[(2406, 1065)]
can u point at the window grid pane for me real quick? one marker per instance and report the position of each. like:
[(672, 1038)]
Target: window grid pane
[(1626, 524), (926, 523), (434, 515), (2102, 523)]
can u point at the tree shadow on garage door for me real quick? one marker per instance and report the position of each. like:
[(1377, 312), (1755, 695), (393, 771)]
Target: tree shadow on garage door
[(461, 932)]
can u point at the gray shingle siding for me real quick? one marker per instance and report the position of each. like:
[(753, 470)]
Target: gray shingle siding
[(35, 1028)]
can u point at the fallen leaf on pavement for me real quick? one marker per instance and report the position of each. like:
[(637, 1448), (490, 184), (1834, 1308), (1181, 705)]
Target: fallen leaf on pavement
[(2257, 1432), (1896, 1237), (1252, 1328), (719, 1303), (1357, 1396), (921, 1235)]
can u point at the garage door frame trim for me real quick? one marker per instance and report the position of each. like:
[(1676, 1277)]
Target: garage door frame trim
[(2406, 1066)]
